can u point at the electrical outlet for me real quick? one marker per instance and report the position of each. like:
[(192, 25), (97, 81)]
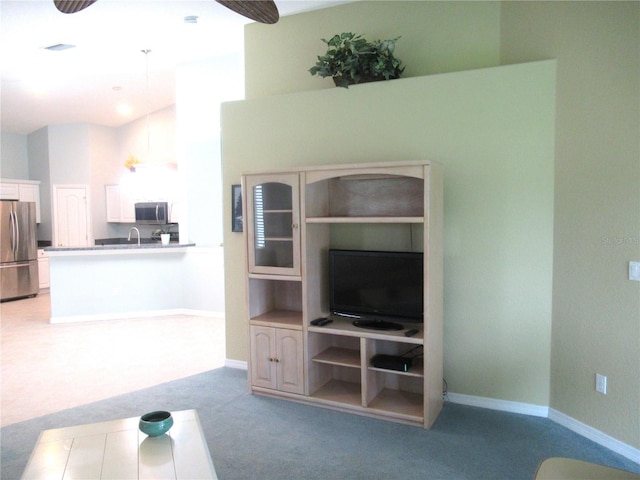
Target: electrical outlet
[(634, 271), (601, 384)]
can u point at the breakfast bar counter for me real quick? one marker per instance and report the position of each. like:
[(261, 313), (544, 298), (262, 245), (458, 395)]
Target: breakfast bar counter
[(119, 249), (117, 281)]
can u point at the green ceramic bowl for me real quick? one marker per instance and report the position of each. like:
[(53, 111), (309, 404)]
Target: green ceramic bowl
[(155, 424)]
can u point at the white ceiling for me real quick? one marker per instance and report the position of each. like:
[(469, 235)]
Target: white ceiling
[(107, 66)]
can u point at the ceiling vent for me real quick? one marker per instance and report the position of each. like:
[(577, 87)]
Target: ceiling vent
[(59, 47)]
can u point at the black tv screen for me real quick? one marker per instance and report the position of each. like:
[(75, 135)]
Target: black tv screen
[(373, 285)]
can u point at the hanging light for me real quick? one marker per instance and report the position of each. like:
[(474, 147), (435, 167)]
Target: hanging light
[(148, 160), (152, 177), (147, 107)]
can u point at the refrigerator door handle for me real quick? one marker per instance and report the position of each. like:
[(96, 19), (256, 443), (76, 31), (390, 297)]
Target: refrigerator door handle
[(17, 264), (17, 242), (12, 222)]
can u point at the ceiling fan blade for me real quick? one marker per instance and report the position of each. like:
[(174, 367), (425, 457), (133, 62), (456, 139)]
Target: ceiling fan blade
[(72, 6), (263, 11)]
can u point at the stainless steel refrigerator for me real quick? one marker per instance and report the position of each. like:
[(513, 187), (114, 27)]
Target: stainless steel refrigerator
[(18, 250)]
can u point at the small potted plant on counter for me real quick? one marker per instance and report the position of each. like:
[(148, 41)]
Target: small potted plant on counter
[(164, 234), (351, 59)]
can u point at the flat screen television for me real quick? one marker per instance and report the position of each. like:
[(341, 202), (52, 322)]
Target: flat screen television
[(378, 289)]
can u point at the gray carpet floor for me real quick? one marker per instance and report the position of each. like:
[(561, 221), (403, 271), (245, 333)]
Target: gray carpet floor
[(254, 437)]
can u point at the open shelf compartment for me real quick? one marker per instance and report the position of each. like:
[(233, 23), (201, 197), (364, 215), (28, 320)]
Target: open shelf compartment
[(400, 404), (276, 303), (374, 196), (335, 369), (344, 357), (394, 392), (339, 393)]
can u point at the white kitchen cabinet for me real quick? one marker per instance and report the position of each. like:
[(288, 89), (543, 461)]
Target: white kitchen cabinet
[(112, 196), (174, 212), (120, 205), (23, 191), (127, 207), (9, 191), (30, 192), (43, 268)]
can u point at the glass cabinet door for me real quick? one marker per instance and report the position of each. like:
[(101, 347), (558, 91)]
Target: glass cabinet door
[(273, 224)]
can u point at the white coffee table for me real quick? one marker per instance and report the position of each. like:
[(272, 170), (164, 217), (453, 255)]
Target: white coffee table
[(118, 450)]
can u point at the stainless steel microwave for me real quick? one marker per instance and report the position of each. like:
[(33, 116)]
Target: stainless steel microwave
[(152, 213)]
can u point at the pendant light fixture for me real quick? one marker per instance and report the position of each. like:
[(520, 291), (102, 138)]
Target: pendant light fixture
[(154, 176), (147, 103), (149, 161)]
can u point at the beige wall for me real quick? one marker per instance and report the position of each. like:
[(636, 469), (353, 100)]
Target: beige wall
[(595, 308)]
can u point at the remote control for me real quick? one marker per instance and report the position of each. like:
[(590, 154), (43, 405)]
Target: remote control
[(321, 321), (411, 333)]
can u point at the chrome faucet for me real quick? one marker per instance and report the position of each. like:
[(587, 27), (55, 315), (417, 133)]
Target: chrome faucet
[(137, 231)]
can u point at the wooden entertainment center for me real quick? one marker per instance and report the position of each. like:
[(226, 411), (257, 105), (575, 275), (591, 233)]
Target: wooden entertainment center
[(292, 218)]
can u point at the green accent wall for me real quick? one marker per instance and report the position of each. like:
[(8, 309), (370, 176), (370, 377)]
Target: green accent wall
[(436, 37), (498, 165), (596, 308), (586, 313)]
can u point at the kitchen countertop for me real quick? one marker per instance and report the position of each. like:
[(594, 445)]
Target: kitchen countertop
[(119, 249)]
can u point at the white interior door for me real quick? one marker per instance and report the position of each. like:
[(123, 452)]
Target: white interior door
[(71, 215)]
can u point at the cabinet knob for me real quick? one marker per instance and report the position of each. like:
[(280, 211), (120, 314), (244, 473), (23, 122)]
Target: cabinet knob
[(276, 360), (294, 226)]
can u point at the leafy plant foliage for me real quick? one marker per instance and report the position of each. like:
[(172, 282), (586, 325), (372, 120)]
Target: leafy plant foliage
[(351, 59)]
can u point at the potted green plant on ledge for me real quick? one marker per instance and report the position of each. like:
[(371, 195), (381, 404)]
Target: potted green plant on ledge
[(351, 59)]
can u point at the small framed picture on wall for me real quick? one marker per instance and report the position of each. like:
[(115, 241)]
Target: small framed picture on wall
[(236, 208)]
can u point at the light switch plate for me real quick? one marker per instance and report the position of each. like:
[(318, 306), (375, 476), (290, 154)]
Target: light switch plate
[(634, 271)]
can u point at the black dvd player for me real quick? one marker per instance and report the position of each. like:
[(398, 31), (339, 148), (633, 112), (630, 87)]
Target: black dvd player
[(392, 362)]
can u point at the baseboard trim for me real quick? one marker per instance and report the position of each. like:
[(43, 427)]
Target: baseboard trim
[(595, 435), (142, 314), (502, 405), (238, 364), (202, 313), (555, 416)]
